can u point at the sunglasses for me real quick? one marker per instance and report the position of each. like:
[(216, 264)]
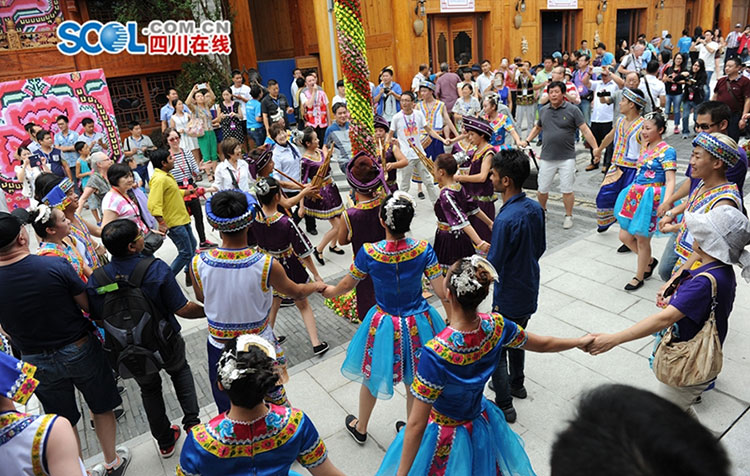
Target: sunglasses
[(705, 127), (173, 138)]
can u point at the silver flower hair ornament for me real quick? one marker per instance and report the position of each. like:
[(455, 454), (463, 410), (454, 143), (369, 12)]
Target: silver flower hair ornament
[(229, 371), (263, 186), (478, 261), (394, 204)]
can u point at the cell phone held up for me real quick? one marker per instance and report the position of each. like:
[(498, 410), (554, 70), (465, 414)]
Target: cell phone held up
[(603, 94), (35, 161)]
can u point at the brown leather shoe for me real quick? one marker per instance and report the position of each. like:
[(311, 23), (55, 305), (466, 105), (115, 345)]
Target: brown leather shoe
[(591, 167)]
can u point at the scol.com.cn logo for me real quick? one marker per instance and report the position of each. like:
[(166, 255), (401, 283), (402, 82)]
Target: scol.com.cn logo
[(170, 37)]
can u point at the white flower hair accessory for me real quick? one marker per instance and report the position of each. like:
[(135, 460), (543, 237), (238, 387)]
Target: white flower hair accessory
[(229, 371), (393, 204), (465, 282), (44, 212)]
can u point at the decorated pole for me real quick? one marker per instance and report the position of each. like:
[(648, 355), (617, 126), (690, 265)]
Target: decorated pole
[(351, 35)]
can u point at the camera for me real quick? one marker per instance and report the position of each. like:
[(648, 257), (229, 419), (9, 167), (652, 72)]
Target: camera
[(295, 136), (386, 91), (603, 94)]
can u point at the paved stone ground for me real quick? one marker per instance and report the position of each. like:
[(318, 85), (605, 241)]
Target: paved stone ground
[(333, 329)]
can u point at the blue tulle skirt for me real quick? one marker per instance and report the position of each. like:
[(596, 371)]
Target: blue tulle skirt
[(385, 349), (636, 208), (482, 446)]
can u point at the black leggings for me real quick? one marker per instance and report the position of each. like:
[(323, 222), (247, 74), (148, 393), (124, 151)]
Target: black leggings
[(194, 206)]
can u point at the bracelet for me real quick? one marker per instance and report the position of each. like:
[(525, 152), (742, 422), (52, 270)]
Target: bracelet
[(669, 214)]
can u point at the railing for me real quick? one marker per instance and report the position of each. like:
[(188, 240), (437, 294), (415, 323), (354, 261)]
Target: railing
[(18, 40)]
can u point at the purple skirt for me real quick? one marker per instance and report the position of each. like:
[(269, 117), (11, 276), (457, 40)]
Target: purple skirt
[(329, 206), (450, 246), (295, 271)]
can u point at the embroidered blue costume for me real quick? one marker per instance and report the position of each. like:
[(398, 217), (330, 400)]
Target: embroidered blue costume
[(636, 205), (385, 350), (466, 434), (268, 446)]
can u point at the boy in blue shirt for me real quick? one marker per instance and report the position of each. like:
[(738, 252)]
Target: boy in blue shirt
[(254, 117)]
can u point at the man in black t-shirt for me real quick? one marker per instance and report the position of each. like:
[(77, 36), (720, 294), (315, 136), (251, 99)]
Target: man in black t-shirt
[(42, 300), (274, 105)]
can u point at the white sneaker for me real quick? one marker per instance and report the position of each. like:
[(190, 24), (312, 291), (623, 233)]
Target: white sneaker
[(568, 222)]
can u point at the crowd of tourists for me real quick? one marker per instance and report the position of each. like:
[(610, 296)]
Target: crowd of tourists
[(254, 165)]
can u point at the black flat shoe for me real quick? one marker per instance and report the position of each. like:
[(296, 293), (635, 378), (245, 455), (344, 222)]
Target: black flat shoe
[(623, 249), (312, 232), (633, 287), (280, 339), (319, 257), (400, 424), (651, 267), (358, 437), (420, 195), (321, 349), (338, 251)]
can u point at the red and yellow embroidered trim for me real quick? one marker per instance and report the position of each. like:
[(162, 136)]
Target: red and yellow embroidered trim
[(264, 278), (356, 273), (211, 442), (36, 445), (459, 354), (313, 456), (444, 420), (378, 253), (424, 390)]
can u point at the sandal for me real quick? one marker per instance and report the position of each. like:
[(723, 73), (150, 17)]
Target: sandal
[(334, 249), (319, 257), (358, 437), (633, 287), (651, 266)]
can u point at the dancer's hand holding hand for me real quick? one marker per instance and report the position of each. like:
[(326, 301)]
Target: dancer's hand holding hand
[(602, 343), (585, 342), (320, 286), (663, 208), (328, 292)]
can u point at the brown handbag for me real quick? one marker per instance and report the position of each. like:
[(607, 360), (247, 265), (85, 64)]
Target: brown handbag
[(692, 362)]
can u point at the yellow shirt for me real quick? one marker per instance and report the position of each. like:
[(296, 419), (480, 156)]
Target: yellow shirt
[(165, 199)]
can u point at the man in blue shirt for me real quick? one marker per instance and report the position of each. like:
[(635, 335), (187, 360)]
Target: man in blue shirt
[(685, 42), (65, 140), (518, 241), (54, 157), (338, 134), (124, 241)]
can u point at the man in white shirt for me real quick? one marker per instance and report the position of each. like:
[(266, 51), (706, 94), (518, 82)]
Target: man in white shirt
[(422, 75), (603, 107), (297, 73), (706, 48), (407, 125), (484, 80), (340, 93), (240, 92), (632, 63), (653, 88)]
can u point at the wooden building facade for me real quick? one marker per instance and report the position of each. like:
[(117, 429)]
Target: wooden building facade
[(399, 33)]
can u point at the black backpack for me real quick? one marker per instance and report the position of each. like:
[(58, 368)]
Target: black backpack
[(138, 339)]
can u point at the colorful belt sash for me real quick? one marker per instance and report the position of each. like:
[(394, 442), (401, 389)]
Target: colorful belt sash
[(226, 330)]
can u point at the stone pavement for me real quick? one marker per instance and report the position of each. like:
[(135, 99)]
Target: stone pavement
[(581, 292)]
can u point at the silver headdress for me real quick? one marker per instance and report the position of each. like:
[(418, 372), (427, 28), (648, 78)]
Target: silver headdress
[(393, 204), (227, 367), (466, 281)]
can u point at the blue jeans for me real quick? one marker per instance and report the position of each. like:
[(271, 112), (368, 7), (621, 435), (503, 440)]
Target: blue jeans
[(258, 135), (509, 371), (687, 107), (81, 365), (668, 259), (183, 238), (707, 86), (143, 172), (673, 105)]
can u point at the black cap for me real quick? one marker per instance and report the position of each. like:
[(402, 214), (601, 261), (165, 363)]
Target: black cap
[(10, 225)]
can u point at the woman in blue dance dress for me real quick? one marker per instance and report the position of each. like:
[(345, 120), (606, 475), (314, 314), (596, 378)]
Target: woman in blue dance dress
[(452, 429), (385, 350), (253, 437), (639, 205)]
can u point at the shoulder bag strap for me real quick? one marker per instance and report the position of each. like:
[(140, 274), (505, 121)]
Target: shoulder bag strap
[(650, 96), (714, 300)]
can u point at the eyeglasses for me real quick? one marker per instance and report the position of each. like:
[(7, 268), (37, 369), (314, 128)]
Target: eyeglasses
[(138, 237), (705, 127)]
